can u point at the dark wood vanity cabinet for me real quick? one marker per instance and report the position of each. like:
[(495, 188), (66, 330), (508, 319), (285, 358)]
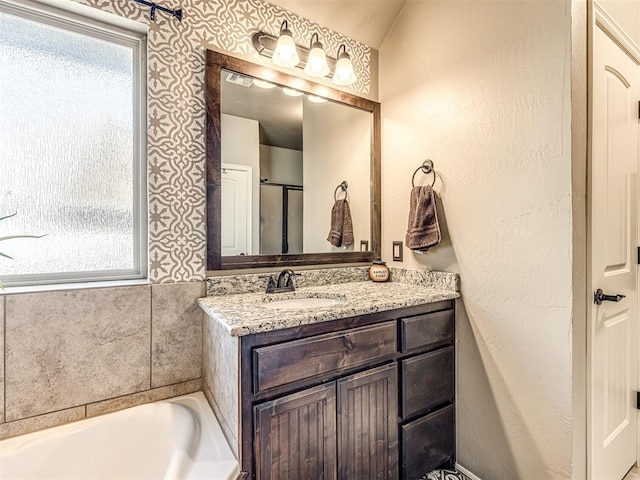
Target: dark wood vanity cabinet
[(367, 397), (343, 429)]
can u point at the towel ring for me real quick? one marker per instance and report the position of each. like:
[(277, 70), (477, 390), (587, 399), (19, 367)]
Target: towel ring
[(344, 185), (427, 168)]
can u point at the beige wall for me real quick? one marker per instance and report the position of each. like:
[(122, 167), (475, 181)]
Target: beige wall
[(579, 250), (281, 165), (483, 88), (337, 147)]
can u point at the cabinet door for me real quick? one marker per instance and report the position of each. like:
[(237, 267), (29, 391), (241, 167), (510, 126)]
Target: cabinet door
[(368, 424), (295, 436)]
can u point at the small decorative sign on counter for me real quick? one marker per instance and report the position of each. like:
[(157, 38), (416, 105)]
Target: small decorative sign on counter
[(379, 272)]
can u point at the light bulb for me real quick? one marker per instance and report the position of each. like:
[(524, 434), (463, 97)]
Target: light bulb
[(263, 83), (291, 92), (316, 99), (317, 62), (343, 74), (285, 54)]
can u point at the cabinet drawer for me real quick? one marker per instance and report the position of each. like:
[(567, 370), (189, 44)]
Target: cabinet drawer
[(290, 362), (427, 381), (423, 331), (427, 443)]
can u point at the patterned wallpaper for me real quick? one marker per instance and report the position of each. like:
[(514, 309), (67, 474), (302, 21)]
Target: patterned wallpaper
[(176, 111)]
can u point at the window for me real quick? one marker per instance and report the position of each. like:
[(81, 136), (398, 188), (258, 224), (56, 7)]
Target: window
[(72, 147)]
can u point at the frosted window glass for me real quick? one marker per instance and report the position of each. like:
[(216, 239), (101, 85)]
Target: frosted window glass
[(66, 150)]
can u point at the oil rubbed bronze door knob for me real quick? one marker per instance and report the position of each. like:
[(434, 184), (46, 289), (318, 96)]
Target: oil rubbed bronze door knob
[(600, 297)]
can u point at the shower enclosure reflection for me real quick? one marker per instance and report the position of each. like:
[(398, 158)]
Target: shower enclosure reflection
[(280, 218)]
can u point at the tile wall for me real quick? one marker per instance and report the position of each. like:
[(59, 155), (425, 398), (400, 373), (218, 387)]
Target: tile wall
[(176, 111), (78, 353)]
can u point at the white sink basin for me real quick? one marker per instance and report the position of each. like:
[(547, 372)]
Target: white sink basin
[(298, 303)]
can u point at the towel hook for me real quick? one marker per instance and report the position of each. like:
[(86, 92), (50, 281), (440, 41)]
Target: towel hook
[(427, 168), (344, 185)]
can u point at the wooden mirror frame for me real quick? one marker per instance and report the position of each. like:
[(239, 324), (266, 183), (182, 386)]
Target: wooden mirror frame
[(215, 62)]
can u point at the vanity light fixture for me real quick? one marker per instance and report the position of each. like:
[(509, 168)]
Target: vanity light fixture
[(311, 59), (317, 65), (344, 74), (285, 53)]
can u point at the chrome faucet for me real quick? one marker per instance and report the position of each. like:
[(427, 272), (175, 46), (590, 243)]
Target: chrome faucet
[(284, 283)]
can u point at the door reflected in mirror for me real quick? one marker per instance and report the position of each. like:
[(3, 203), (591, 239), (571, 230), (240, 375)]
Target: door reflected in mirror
[(283, 158)]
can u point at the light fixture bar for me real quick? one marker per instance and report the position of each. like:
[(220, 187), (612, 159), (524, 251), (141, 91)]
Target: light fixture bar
[(265, 44)]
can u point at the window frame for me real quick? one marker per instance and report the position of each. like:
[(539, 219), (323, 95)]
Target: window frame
[(94, 23)]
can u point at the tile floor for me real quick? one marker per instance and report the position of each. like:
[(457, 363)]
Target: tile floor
[(444, 475), (634, 474)]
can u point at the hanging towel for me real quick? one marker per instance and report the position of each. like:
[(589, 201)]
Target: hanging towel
[(347, 226), (341, 233), (423, 231)]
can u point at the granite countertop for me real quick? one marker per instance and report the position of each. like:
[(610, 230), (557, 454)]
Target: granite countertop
[(245, 313)]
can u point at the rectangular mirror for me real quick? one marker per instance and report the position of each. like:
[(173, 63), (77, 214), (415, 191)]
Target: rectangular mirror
[(279, 154)]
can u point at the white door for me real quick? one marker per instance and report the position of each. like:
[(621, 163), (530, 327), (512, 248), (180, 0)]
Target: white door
[(236, 209), (613, 334)]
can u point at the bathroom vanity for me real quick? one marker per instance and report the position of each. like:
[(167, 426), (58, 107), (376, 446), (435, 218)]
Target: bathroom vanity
[(343, 378), (360, 389)]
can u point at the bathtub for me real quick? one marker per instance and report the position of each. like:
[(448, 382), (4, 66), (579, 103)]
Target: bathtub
[(178, 438)]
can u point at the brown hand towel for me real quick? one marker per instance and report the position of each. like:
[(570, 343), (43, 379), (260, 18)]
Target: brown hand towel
[(341, 233), (423, 231), (337, 217), (347, 226)]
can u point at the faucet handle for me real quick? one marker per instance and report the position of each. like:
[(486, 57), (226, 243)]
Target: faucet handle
[(271, 285)]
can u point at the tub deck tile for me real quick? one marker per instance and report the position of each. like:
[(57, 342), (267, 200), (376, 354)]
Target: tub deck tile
[(33, 424), (153, 395)]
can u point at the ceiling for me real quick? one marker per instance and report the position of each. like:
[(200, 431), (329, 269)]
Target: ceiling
[(367, 21), (279, 116)]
